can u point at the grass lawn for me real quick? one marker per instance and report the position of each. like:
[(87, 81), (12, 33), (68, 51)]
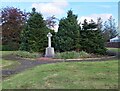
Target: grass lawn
[(114, 49), (8, 64), (23, 54), (73, 75), (5, 53)]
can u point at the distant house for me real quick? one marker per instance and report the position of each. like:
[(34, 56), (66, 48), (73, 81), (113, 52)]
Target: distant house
[(116, 39)]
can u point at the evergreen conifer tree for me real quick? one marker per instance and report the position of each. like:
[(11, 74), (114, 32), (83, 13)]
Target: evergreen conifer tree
[(34, 35), (67, 37)]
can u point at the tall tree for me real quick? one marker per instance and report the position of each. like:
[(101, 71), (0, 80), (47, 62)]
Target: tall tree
[(13, 20), (92, 25), (85, 25), (89, 26), (92, 41), (100, 24), (110, 29), (67, 37), (34, 35)]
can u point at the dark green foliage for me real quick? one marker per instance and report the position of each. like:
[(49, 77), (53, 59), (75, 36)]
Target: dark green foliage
[(34, 36), (70, 37), (85, 25), (92, 41), (24, 39), (11, 47), (89, 26), (99, 23), (92, 25), (67, 37)]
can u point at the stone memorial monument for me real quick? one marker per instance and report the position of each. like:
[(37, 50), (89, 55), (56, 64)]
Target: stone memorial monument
[(49, 50)]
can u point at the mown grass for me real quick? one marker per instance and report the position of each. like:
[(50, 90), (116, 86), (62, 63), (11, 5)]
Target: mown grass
[(114, 49), (23, 54), (5, 53), (75, 75), (6, 64)]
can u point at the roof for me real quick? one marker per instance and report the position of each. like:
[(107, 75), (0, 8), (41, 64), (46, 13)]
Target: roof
[(116, 39)]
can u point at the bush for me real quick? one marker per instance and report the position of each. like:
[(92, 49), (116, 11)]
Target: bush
[(92, 41), (84, 54), (26, 54), (71, 55), (7, 48), (12, 46)]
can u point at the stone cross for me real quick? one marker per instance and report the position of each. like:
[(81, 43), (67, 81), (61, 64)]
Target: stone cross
[(49, 35), (49, 50)]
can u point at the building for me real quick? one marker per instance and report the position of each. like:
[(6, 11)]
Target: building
[(116, 39)]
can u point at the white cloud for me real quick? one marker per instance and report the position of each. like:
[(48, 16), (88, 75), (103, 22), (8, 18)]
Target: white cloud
[(95, 17), (51, 8), (55, 28), (56, 7)]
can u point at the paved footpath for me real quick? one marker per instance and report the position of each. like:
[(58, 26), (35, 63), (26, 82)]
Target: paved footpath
[(24, 64), (27, 63)]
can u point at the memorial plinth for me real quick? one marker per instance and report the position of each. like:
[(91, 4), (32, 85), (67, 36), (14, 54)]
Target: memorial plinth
[(49, 50)]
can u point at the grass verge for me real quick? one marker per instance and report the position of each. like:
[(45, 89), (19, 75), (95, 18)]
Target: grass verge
[(23, 54), (114, 49), (6, 64), (75, 75)]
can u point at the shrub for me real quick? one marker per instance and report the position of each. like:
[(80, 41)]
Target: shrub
[(71, 55), (9, 47), (26, 54), (84, 54)]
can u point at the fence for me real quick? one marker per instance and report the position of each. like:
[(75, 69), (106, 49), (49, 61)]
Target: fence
[(113, 44)]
